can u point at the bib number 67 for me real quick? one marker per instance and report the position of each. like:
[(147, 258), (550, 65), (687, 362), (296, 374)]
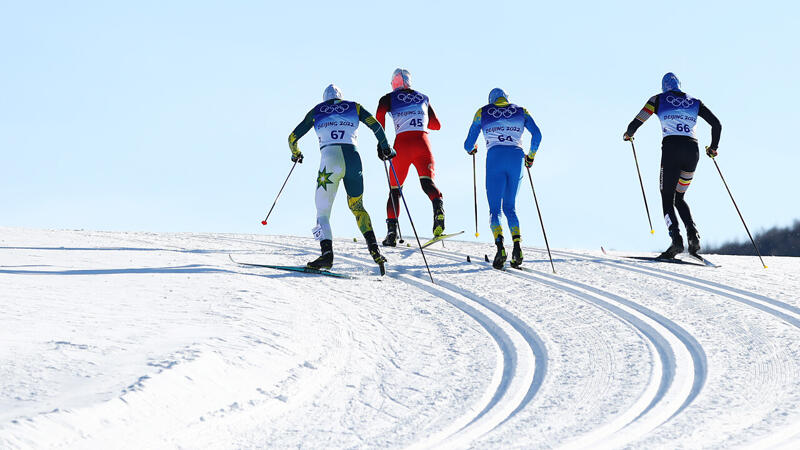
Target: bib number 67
[(337, 134)]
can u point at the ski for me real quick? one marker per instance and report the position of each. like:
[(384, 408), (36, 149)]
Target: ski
[(667, 260), (703, 260), (441, 237), (299, 269)]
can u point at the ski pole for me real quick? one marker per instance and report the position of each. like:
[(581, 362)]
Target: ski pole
[(388, 180), (475, 194), (540, 220), (740, 213), (636, 160), (403, 198), (264, 222)]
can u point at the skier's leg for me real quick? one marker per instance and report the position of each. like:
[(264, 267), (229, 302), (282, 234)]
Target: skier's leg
[(331, 171), (692, 156), (495, 186), (425, 165), (354, 185), (401, 163), (668, 179), (514, 176)]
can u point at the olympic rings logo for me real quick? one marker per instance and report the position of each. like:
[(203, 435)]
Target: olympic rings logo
[(416, 97), (502, 112), (328, 109), (679, 102)]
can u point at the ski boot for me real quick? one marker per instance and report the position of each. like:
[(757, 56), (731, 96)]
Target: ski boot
[(675, 248), (391, 233), (694, 241), (516, 254), (438, 217), (500, 256), (325, 261), (374, 251)]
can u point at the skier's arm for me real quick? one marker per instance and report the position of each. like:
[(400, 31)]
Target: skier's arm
[(716, 126), (474, 131), (384, 105), (433, 121), (536, 134), (644, 114), (300, 131), (367, 119)]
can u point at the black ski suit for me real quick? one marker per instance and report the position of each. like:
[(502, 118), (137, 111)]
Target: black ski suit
[(679, 150)]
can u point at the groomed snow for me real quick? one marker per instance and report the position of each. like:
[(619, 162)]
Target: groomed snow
[(142, 340)]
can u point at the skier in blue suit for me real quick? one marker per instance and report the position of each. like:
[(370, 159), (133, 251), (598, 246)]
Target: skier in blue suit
[(502, 124)]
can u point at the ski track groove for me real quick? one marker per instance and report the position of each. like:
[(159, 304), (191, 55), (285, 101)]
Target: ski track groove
[(507, 347), (782, 310), (660, 343)]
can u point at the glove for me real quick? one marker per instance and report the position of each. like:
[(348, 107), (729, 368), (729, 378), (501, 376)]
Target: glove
[(386, 153), (711, 152), (625, 137), (473, 151), (529, 159), (297, 157)]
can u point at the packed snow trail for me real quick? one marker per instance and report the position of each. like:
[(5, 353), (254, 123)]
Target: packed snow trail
[(158, 340)]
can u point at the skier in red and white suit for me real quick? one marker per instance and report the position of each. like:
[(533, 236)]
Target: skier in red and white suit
[(412, 115)]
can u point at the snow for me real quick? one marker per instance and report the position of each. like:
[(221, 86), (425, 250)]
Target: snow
[(142, 340)]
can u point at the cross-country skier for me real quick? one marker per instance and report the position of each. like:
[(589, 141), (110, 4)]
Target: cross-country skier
[(412, 114), (678, 114), (502, 124), (336, 123)]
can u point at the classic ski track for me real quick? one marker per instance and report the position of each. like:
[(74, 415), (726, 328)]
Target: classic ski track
[(507, 398), (784, 311), (648, 418), (776, 308)]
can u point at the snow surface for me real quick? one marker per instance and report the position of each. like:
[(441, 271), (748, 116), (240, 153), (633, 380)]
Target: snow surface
[(142, 340)]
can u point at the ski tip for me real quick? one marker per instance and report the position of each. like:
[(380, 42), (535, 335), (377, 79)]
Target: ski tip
[(468, 260), (408, 245), (486, 257), (355, 239), (263, 222)]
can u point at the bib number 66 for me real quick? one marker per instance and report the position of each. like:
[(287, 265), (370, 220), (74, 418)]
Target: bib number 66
[(683, 128)]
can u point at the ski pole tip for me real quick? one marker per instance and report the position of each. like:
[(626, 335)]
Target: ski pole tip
[(652, 231), (765, 266), (263, 222), (477, 234)]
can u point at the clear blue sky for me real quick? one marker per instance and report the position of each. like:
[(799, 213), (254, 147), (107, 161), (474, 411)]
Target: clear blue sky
[(173, 116)]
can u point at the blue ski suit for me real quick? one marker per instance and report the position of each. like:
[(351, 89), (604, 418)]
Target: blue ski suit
[(502, 124)]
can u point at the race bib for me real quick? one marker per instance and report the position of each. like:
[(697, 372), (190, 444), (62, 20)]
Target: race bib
[(503, 125), (409, 111), (336, 123), (678, 114)]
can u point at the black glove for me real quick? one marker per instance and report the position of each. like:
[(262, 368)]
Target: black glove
[(297, 157), (473, 151), (711, 152), (625, 137), (386, 153)]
